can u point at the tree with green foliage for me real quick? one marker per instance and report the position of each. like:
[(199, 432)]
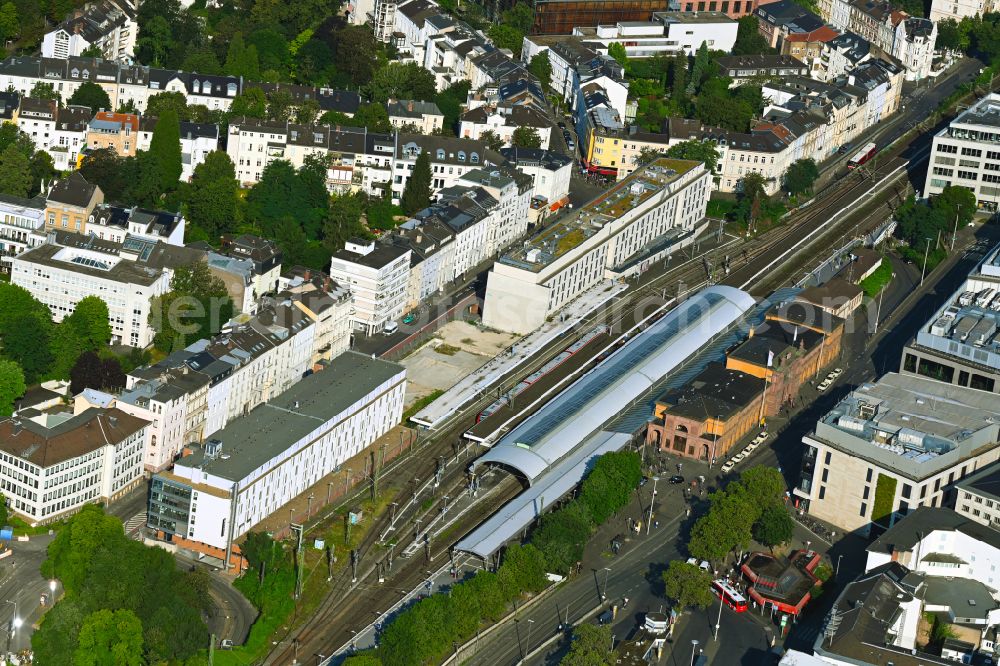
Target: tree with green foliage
[(15, 172), (491, 139), (541, 67), (562, 534), (617, 51), (165, 148), (43, 90), (89, 320), (700, 151), (398, 80), (242, 59), (752, 186), (383, 215), (91, 95), (801, 176), (956, 203), (27, 343), (161, 102), (774, 527), (373, 116), (251, 103), (363, 660), (203, 60), (357, 55), (306, 112), (196, 307), (214, 195), (953, 35), (749, 41), (688, 585), (506, 37), (763, 486), (343, 221), (42, 170), (591, 646), (526, 137), (609, 485), (103, 167), (272, 50), (450, 102), (110, 637), (12, 387), (417, 193), (10, 23), (678, 80), (699, 69)]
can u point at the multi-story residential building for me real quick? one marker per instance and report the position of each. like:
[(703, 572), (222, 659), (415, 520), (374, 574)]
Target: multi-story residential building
[(71, 266), (21, 221), (125, 84), (960, 343), (329, 306), (778, 20), (966, 153), (109, 26), (197, 141), (409, 28), (415, 116), (258, 463), (554, 17), (54, 463), (60, 131), (907, 38), (656, 210), (265, 256), (892, 446), (117, 131), (550, 173), (116, 223), (504, 121), (358, 160), (512, 192), (450, 158), (959, 9), (746, 68), (667, 34), (378, 277), (70, 202), (977, 497)]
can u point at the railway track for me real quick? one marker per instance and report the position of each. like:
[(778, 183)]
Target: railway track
[(328, 628)]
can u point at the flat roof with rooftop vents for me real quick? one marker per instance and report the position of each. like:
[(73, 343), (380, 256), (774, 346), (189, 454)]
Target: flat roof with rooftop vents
[(574, 228)]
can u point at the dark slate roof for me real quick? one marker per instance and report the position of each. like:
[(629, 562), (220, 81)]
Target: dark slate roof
[(536, 157), (906, 533), (74, 190), (343, 101), (985, 483)]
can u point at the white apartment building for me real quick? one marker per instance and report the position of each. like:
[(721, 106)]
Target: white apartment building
[(504, 121), (550, 173), (21, 220), (450, 158), (110, 26), (902, 441), (509, 199), (422, 117), (124, 84), (126, 276), (60, 131), (967, 154), (959, 9), (668, 34), (54, 463), (641, 219), (359, 160), (378, 276), (258, 463), (409, 27), (197, 141)]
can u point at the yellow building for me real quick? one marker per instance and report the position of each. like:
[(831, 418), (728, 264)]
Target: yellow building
[(70, 202)]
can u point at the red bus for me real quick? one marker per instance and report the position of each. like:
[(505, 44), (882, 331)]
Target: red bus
[(862, 156), (729, 596)]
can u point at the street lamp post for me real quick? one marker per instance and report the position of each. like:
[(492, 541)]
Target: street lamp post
[(15, 623), (651, 502), (836, 573), (604, 594), (923, 271), (527, 640), (694, 648), (718, 620)]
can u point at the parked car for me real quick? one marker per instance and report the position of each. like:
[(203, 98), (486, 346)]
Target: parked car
[(761, 438), (824, 385), (676, 478), (390, 328), (409, 319), (728, 466), (738, 457), (837, 372)]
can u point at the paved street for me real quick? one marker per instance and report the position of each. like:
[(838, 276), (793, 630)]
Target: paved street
[(22, 584)]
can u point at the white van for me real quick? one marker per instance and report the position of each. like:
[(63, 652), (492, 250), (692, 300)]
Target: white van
[(390, 328)]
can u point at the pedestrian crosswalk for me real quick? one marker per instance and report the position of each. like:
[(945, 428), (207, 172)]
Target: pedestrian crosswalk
[(134, 525)]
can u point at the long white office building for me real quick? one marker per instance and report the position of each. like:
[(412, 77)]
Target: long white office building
[(54, 463), (258, 463), (966, 153), (653, 212)]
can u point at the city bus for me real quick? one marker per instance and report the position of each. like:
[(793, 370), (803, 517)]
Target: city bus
[(729, 596), (862, 156)]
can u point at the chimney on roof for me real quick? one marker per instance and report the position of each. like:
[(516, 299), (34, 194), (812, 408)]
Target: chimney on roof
[(409, 106), (113, 421), (15, 427)]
